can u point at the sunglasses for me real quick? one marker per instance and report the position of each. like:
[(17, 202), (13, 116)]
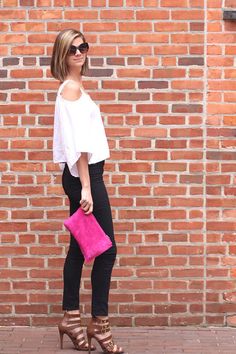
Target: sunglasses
[(83, 48)]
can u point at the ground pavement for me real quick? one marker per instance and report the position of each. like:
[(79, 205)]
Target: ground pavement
[(139, 340)]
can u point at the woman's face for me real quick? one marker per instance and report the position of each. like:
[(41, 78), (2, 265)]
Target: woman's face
[(77, 59)]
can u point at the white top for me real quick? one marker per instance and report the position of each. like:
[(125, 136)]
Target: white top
[(78, 128)]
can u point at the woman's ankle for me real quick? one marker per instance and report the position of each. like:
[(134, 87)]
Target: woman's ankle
[(73, 312), (101, 317)]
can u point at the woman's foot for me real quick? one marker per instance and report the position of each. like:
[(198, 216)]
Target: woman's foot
[(99, 328), (71, 325)]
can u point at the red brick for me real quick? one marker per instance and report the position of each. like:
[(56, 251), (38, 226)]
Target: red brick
[(169, 190), (221, 226), (6, 309), (132, 26), (170, 261), (231, 320), (145, 201), (185, 321), (13, 321), (29, 73), (13, 250), (145, 226), (170, 214), (117, 14), (152, 15), (153, 250), (99, 27), (171, 166), (133, 72), (10, 226), (220, 285), (174, 3), (135, 308), (41, 14), (9, 14), (151, 273), (135, 261), (24, 309), (118, 84), (131, 285)]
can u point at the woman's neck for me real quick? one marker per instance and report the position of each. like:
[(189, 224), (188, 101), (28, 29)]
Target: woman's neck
[(74, 76)]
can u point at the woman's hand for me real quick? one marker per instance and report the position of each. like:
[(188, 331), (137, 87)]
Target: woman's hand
[(86, 201)]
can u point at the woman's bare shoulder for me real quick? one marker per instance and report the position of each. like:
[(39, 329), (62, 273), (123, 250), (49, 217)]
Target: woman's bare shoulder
[(71, 91)]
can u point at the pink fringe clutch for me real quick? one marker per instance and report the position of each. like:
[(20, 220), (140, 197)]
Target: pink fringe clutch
[(91, 238)]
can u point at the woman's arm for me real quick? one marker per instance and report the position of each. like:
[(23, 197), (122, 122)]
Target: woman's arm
[(86, 201), (72, 92)]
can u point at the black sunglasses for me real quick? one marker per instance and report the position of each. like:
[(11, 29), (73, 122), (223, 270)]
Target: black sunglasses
[(83, 48)]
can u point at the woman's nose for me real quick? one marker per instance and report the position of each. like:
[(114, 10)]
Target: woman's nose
[(77, 51)]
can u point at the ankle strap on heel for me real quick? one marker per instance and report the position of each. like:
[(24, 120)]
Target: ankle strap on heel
[(101, 326)]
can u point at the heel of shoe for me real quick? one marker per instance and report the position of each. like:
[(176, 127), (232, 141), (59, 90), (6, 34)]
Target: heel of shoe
[(89, 343), (61, 333)]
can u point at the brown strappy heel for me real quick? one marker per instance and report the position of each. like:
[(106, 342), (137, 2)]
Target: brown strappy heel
[(71, 325), (98, 327)]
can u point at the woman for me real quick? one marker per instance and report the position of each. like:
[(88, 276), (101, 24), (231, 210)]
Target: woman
[(80, 146)]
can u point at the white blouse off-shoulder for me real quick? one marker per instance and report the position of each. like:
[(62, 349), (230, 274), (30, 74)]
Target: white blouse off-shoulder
[(78, 128)]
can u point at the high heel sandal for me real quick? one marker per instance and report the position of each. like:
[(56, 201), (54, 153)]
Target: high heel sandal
[(71, 325), (98, 327)]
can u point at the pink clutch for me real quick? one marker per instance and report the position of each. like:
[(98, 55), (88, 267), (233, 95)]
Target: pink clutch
[(91, 238)]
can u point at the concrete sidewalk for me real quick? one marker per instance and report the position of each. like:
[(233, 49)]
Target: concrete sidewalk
[(139, 340)]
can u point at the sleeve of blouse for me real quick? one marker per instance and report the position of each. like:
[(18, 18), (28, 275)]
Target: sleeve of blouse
[(77, 133)]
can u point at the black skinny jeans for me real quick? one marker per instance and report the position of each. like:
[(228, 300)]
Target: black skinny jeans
[(103, 264)]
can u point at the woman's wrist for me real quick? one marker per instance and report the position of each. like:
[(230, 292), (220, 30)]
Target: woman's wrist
[(85, 186)]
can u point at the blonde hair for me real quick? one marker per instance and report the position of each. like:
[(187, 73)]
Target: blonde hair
[(59, 66)]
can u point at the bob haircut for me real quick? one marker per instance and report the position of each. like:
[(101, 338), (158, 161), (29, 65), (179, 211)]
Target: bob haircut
[(59, 67)]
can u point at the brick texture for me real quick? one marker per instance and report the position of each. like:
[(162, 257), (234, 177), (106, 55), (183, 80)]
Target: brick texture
[(163, 74)]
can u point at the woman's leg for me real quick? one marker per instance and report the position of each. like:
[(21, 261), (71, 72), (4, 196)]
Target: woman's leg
[(74, 260), (103, 264), (71, 322), (99, 327), (72, 275), (101, 278)]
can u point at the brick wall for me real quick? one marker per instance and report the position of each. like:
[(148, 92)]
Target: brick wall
[(163, 74)]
